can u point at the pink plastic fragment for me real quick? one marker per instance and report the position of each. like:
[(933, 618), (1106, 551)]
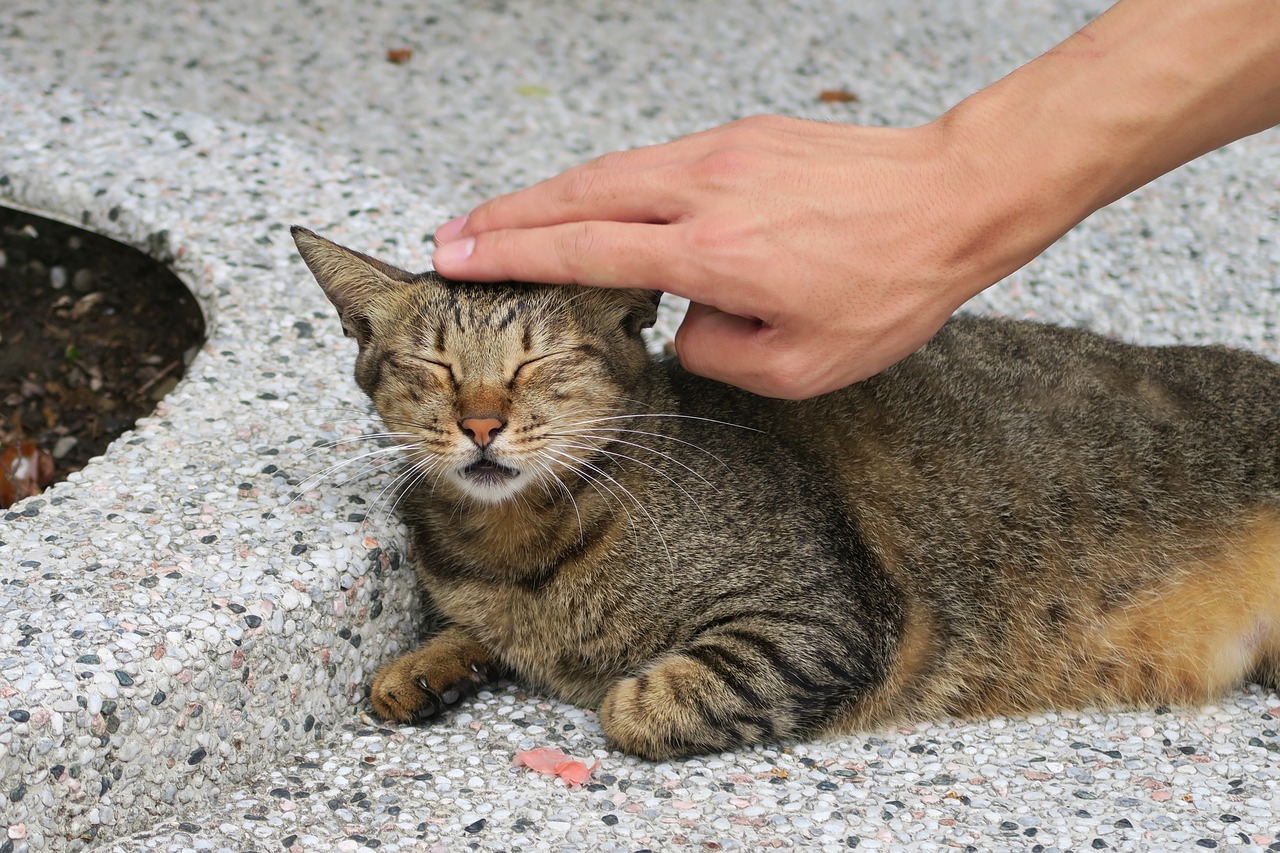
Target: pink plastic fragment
[(554, 762)]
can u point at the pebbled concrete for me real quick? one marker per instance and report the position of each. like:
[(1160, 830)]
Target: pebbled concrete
[(186, 626)]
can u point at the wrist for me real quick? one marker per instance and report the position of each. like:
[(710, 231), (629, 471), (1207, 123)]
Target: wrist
[(1009, 195), (1144, 88)]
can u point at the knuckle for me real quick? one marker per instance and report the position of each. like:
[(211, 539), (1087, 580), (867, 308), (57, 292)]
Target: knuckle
[(756, 130), (685, 344), (717, 236), (491, 248), (762, 123), (730, 165), (576, 186), (574, 247), (609, 161), (790, 375)]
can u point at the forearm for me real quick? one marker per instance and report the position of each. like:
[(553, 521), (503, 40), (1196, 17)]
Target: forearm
[(1144, 88)]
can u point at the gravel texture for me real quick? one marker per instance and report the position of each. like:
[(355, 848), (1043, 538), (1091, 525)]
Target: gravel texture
[(187, 625)]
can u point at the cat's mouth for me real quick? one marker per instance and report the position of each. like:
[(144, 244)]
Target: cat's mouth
[(486, 472)]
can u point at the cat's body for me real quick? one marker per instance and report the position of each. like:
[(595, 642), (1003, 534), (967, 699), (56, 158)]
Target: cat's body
[(1016, 517)]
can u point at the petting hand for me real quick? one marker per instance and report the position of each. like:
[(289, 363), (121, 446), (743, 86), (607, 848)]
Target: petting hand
[(813, 254), (817, 254)]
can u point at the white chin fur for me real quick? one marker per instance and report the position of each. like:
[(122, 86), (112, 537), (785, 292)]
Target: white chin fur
[(491, 492)]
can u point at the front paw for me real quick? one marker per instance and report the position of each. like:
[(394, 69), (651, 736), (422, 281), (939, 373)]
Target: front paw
[(679, 708), (422, 683)]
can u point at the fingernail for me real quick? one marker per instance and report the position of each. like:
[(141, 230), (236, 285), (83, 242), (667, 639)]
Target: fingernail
[(450, 230), (454, 253)]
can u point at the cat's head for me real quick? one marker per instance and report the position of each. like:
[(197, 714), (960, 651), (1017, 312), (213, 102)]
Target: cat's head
[(489, 388)]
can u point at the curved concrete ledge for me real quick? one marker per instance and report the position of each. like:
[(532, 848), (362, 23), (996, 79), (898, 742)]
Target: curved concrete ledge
[(170, 623)]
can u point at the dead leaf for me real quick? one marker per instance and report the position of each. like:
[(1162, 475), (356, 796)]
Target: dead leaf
[(399, 55), (837, 96), (24, 471)]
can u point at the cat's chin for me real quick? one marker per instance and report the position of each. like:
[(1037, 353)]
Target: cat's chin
[(490, 482)]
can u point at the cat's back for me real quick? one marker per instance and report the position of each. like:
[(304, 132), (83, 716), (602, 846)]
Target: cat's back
[(1053, 508), (975, 363), (992, 398), (987, 385), (1003, 440)]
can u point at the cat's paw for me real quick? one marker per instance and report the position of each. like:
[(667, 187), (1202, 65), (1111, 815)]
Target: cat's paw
[(422, 683), (678, 708), (402, 692)]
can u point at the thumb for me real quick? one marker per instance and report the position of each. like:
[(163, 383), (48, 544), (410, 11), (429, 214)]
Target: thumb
[(721, 346)]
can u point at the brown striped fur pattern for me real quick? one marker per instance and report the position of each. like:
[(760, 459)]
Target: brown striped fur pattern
[(1017, 517)]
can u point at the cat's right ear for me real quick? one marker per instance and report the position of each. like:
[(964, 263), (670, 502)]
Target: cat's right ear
[(353, 282)]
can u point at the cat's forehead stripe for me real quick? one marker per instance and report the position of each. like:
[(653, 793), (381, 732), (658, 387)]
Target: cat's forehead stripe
[(510, 315), (490, 307)]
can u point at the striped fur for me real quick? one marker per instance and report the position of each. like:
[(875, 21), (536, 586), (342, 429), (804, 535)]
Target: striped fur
[(1017, 517)]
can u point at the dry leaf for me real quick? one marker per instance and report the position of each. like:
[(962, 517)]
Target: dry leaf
[(24, 471), (837, 96), (399, 55)]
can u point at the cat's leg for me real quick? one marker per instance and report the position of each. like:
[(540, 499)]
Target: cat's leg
[(1266, 635), (726, 691), (438, 673), (1266, 671), (679, 707)]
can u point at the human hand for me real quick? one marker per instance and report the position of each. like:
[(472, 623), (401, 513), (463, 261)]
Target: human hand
[(813, 254), (817, 254)]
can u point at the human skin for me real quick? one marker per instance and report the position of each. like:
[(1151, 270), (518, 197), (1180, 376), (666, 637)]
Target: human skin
[(816, 254)]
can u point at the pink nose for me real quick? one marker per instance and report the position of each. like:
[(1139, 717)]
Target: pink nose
[(482, 430)]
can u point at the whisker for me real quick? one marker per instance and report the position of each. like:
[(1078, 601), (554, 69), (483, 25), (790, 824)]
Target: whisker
[(543, 466), (652, 468), (382, 455), (669, 415), (597, 486), (595, 433), (406, 481), (307, 484), (636, 501)]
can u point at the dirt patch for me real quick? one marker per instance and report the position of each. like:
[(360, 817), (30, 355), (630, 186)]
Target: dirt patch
[(92, 334)]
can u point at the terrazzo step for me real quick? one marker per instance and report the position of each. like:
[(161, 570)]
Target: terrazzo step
[(186, 612), (1073, 783)]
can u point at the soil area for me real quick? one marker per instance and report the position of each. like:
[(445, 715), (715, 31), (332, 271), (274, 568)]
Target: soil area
[(92, 334)]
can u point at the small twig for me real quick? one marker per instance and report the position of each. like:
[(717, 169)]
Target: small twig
[(146, 386)]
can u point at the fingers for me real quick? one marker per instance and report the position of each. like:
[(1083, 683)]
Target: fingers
[(593, 224), (603, 254), (640, 185), (745, 352), (647, 184), (721, 346)]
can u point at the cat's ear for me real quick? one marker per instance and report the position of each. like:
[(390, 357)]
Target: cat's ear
[(642, 308), (354, 282)]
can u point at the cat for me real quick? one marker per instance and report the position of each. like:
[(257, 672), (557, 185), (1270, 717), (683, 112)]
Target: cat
[(1015, 518)]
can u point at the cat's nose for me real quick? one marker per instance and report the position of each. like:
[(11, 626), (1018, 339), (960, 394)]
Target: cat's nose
[(482, 430)]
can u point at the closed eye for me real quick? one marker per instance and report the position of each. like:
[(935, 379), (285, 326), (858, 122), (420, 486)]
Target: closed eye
[(440, 368), (524, 364)]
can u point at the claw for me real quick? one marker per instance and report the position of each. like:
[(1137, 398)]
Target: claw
[(431, 700)]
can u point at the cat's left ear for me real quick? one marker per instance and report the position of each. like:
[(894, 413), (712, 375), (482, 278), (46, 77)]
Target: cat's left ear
[(642, 308), (353, 282)]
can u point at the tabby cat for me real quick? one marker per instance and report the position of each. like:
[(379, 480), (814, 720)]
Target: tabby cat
[(1016, 517)]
